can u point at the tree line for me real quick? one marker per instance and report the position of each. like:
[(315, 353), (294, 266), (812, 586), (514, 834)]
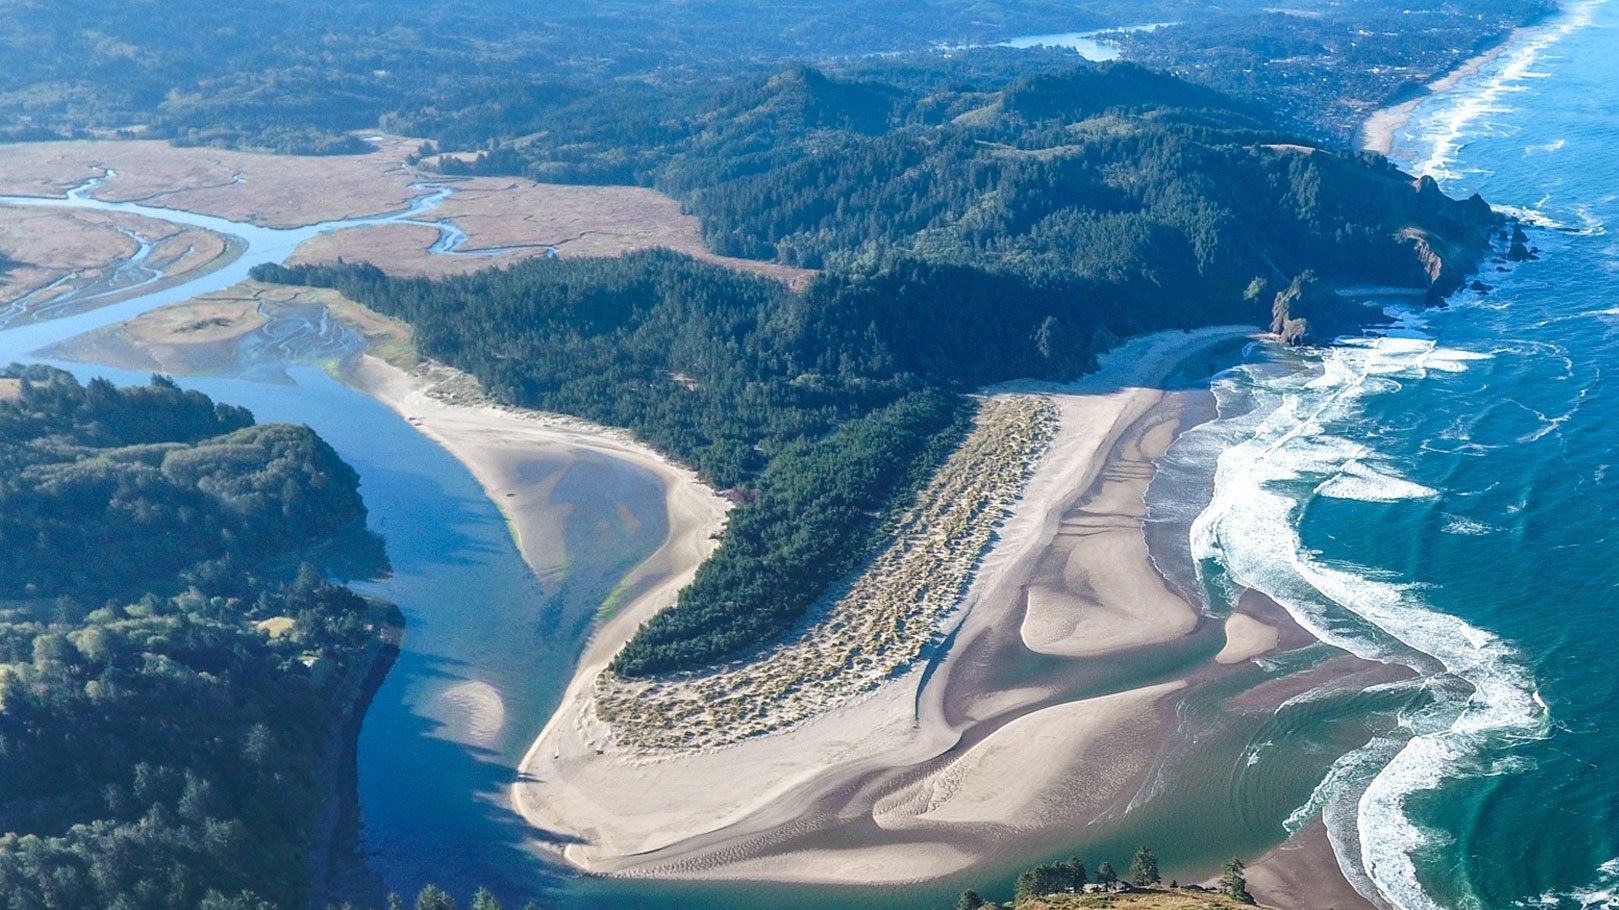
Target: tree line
[(172, 693), (1070, 877)]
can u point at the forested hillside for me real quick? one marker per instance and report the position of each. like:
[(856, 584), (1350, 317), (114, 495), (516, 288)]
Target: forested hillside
[(1107, 181), (967, 237), (172, 706), (300, 75)]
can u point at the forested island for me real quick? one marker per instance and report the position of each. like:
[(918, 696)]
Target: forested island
[(179, 685)]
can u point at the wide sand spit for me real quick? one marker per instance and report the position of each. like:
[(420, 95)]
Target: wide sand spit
[(926, 764)]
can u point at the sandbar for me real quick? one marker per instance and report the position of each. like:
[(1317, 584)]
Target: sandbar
[(494, 442), (948, 759), (1246, 638)]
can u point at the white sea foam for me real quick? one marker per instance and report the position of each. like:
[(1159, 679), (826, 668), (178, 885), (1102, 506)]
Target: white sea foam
[(1467, 527), (1463, 115), (1482, 696), (1362, 483)]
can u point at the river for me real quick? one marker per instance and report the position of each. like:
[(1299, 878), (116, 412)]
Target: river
[(488, 646), (1436, 495)]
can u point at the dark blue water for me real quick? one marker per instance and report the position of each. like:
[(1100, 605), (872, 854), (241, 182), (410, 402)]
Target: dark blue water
[(1439, 495)]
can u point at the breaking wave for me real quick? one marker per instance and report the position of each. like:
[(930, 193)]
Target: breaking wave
[(1294, 438)]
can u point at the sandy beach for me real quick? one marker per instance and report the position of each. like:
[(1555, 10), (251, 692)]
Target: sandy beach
[(946, 760), (1378, 132), (928, 775), (494, 442)]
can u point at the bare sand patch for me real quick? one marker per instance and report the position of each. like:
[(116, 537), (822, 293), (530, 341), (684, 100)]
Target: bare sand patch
[(470, 712), (10, 389), (1095, 590), (1091, 754), (1246, 638), (1303, 874)]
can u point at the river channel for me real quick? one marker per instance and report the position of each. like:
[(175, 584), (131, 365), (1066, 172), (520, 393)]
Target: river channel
[(488, 646)]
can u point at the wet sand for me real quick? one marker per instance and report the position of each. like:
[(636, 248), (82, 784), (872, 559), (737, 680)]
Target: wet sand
[(1303, 874), (919, 780), (1378, 132), (496, 442)]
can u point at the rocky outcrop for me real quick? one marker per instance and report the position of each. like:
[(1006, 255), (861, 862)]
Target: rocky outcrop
[(1437, 243), (1519, 251), (1448, 237), (1309, 311)]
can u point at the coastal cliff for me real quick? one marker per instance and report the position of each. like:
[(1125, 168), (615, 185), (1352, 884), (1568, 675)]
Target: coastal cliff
[(1439, 243)]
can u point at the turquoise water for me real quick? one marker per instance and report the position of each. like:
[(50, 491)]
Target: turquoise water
[(1439, 495), (1433, 496), (432, 793)]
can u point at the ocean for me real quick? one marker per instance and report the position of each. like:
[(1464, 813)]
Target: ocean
[(1438, 494), (1433, 495)]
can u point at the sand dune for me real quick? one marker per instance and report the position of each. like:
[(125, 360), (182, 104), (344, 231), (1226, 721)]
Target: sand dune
[(756, 810)]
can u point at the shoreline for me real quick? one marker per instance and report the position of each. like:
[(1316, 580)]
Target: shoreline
[(336, 862), (942, 758), (1380, 128), (927, 752), (445, 405)]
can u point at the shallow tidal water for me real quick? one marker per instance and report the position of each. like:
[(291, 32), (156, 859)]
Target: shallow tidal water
[(1438, 495), (1435, 496)]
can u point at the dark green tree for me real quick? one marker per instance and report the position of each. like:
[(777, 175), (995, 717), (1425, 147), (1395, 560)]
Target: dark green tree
[(1046, 878), (484, 900), (1233, 882), (1076, 874), (1105, 875), (1144, 868), (969, 900), (432, 897)]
